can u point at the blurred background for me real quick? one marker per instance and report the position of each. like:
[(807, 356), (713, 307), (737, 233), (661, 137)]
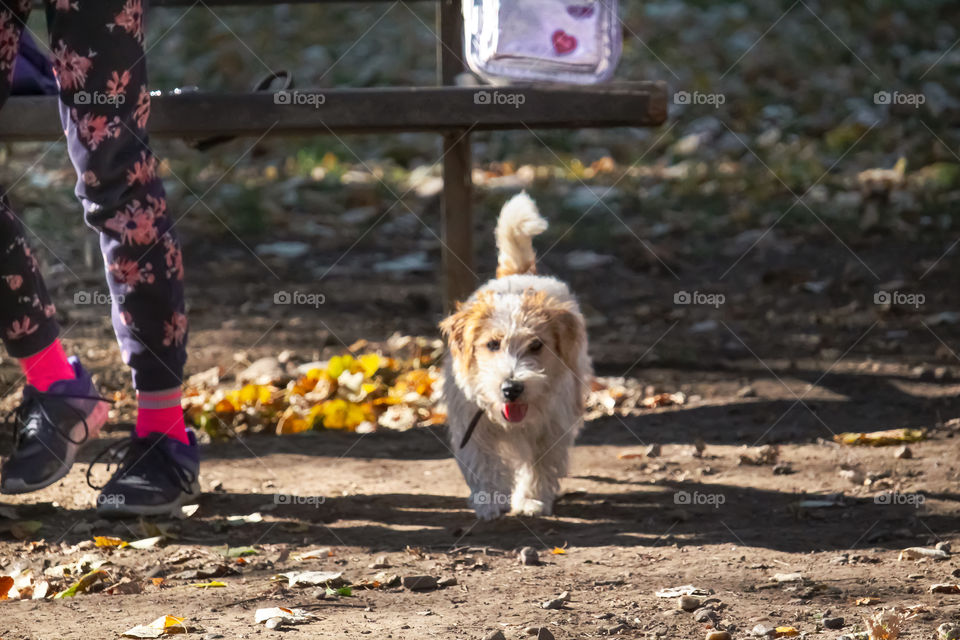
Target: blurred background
[(774, 184)]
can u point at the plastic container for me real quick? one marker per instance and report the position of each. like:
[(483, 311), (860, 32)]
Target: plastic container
[(561, 41)]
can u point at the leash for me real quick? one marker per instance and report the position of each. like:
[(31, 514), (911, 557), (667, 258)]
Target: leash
[(473, 425)]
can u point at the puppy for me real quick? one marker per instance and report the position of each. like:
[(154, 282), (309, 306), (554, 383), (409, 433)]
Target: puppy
[(517, 376)]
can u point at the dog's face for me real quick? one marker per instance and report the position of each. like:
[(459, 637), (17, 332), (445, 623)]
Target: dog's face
[(509, 349)]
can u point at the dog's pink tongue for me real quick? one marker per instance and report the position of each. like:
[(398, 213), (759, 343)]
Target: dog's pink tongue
[(514, 411)]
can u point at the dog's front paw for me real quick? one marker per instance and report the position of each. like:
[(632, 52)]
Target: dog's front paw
[(484, 507), (531, 507), (487, 511)]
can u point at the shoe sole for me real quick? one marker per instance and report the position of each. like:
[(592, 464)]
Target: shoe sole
[(96, 420), (117, 510)]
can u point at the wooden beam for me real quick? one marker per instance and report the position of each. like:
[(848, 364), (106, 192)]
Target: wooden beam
[(230, 3), (459, 277), (437, 109)]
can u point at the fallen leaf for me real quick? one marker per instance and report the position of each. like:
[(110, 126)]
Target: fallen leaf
[(685, 590), (6, 582), (881, 438), (253, 518), (786, 632), (918, 553), (82, 584), (275, 616), (238, 552), (315, 554), (312, 578), (107, 541), (146, 543), (207, 585), (23, 529), (945, 588), (558, 551), (162, 626)]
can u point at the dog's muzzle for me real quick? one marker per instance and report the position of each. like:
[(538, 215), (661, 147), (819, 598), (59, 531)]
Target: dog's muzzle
[(511, 390)]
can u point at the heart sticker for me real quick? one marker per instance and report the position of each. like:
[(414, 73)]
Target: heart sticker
[(563, 42)]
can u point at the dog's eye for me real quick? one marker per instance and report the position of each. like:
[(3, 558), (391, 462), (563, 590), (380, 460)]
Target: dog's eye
[(535, 346), (493, 345)]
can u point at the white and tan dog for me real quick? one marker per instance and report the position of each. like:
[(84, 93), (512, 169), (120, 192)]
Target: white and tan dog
[(517, 377)]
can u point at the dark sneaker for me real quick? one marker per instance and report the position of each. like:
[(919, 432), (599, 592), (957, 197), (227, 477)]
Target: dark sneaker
[(155, 475), (49, 427)]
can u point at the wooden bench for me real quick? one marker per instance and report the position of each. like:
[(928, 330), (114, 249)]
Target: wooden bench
[(451, 111)]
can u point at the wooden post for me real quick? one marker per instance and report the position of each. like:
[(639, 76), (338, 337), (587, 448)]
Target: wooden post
[(456, 209)]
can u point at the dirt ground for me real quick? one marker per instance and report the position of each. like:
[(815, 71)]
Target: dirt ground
[(775, 364)]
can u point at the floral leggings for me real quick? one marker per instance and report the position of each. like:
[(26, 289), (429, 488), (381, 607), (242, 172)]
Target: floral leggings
[(99, 62)]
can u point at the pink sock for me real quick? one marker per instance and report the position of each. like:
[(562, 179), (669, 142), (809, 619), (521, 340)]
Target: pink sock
[(160, 412), (44, 368)]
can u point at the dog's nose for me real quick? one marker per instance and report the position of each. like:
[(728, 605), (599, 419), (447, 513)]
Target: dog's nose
[(511, 389)]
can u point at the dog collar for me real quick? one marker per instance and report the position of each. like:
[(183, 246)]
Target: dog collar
[(473, 425)]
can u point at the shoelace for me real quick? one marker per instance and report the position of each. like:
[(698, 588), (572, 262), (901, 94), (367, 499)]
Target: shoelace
[(127, 453), (20, 415)]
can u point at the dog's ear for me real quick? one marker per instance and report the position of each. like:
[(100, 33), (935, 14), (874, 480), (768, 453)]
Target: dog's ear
[(454, 328), (568, 331), (460, 329)]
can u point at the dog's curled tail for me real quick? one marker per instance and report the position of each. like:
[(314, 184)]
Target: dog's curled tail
[(519, 221)]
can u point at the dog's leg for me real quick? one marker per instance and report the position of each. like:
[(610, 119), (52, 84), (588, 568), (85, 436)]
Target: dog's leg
[(488, 480), (537, 482)]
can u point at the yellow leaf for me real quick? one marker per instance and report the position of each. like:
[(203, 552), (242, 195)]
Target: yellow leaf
[(207, 585), (291, 421), (881, 438), (784, 632), (339, 364), (107, 541), (370, 364), (253, 394), (6, 582), (341, 414), (227, 405), (558, 551)]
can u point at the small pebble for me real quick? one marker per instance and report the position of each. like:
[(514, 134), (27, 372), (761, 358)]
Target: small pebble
[(903, 453), (495, 635), (556, 603), (419, 583), (614, 630), (762, 631), (449, 581), (528, 556), (705, 614), (540, 633), (688, 603), (718, 635), (653, 451), (943, 546), (833, 623)]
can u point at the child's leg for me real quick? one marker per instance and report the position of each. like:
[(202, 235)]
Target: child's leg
[(26, 312), (105, 105)]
